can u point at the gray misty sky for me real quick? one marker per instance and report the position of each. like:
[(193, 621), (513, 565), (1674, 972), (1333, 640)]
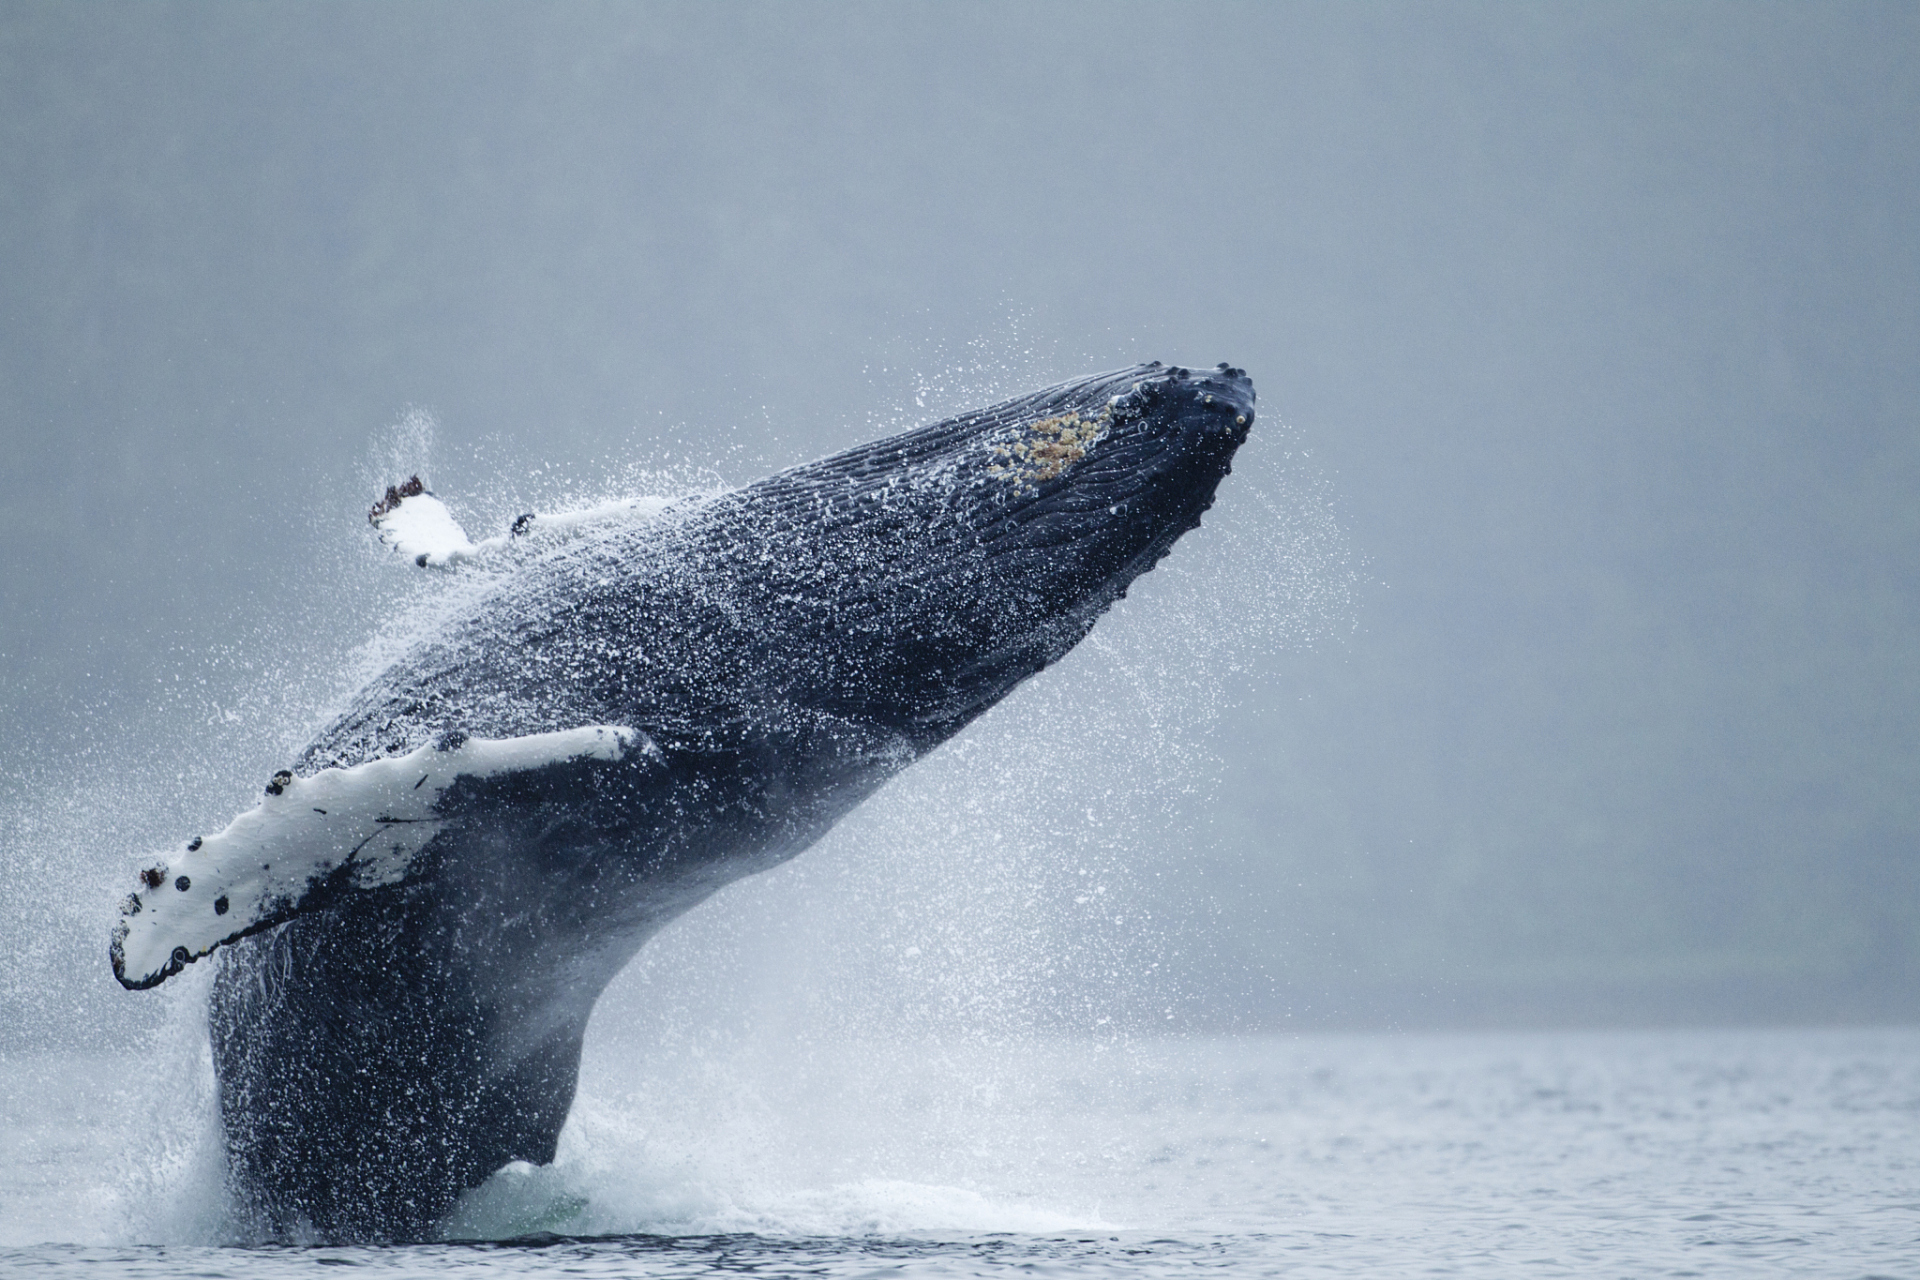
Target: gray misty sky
[(1599, 326)]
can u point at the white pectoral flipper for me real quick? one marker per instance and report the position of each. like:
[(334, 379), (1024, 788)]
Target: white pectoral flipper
[(354, 828), (418, 525)]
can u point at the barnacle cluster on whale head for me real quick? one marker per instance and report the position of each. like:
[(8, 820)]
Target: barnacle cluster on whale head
[(1050, 446)]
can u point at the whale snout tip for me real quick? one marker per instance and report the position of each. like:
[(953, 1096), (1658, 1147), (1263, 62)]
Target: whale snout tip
[(1219, 400), (1229, 393)]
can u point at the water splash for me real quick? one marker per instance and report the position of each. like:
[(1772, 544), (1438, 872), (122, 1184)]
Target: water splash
[(1029, 881)]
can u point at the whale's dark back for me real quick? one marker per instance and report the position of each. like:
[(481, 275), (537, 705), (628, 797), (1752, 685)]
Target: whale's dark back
[(788, 646)]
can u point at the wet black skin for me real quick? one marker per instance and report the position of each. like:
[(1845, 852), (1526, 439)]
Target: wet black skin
[(788, 647)]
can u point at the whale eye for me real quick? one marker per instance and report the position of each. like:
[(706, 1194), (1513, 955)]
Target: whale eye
[(183, 884)]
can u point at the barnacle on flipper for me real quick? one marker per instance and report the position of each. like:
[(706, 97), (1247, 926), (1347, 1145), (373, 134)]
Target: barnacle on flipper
[(1050, 446)]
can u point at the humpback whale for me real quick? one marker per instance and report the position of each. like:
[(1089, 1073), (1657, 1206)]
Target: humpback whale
[(415, 922)]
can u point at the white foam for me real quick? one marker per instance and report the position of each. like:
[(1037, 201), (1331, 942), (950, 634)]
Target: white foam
[(600, 1197), (788, 1132)]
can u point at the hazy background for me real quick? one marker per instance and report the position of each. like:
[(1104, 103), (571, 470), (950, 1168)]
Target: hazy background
[(1596, 328)]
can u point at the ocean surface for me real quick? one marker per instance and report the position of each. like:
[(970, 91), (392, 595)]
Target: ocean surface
[(1695, 1153)]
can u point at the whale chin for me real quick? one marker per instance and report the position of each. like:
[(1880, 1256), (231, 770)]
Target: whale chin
[(654, 701)]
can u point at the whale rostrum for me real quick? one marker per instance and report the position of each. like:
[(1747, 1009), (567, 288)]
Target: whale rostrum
[(641, 704)]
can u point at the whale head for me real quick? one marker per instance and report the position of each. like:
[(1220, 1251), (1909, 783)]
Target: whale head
[(964, 557), (1095, 494)]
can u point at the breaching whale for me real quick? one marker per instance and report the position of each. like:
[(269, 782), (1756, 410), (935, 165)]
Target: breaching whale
[(417, 919)]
